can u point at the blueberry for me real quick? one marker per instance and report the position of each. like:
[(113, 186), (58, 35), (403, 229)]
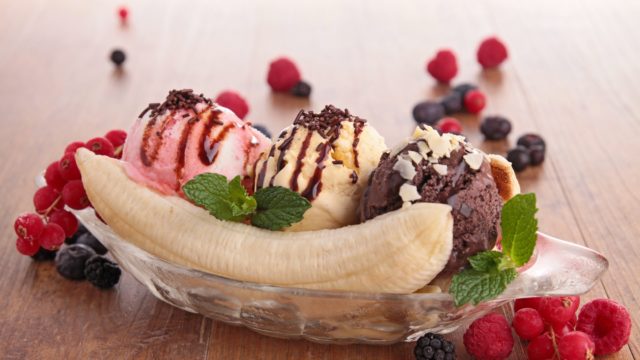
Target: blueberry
[(89, 240), (70, 260), (263, 129), (528, 140), (452, 103), (428, 112), (118, 57), (463, 89), (301, 89), (495, 127), (81, 231), (536, 153), (102, 272), (44, 255), (519, 158)]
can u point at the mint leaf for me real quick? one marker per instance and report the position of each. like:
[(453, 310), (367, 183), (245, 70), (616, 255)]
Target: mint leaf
[(486, 260), (278, 207), (241, 203), (519, 226), (222, 200), (475, 286)]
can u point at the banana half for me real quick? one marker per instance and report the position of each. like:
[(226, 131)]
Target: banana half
[(398, 252)]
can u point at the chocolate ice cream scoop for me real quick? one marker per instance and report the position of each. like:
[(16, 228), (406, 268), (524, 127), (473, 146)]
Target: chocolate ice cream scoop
[(443, 169)]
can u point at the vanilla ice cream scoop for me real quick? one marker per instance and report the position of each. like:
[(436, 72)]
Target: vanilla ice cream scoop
[(188, 135), (327, 158)]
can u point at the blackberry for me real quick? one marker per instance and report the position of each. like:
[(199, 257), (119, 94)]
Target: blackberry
[(301, 89), (91, 241), (434, 346), (519, 158), (44, 255), (73, 238), (495, 127), (71, 259), (463, 89), (118, 57), (102, 272), (263, 129), (528, 140), (428, 112), (536, 154), (452, 103)]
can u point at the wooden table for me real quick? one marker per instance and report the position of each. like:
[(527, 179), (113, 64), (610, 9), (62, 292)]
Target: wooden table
[(573, 75)]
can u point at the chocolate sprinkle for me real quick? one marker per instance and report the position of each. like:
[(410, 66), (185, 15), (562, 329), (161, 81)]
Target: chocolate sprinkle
[(328, 121), (177, 99)]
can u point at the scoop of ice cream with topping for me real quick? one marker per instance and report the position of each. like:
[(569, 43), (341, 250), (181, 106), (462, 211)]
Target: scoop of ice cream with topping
[(431, 167), (186, 135), (326, 157)]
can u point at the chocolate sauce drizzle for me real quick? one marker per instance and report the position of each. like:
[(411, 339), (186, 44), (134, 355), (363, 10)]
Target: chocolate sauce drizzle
[(182, 100), (328, 124)]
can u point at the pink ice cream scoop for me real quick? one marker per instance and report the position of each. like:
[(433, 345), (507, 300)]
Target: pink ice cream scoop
[(187, 135)]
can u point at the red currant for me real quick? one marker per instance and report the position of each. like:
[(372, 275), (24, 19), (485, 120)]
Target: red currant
[(528, 323), (123, 13), (558, 311), (576, 345), (69, 168), (541, 348), (28, 227), (53, 176), (474, 101), (52, 236), (449, 125), (116, 137), (100, 146), (74, 195), (47, 198), (71, 148), (67, 221), (26, 247)]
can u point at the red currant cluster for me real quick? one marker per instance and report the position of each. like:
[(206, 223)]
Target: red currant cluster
[(51, 224), (554, 331)]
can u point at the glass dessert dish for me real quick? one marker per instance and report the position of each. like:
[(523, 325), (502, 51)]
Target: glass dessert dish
[(557, 268)]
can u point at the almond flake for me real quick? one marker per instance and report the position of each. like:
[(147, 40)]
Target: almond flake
[(409, 192), (405, 168), (440, 169), (474, 160), (415, 157)]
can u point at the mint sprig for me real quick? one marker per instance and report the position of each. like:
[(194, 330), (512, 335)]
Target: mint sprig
[(271, 208), (491, 271)]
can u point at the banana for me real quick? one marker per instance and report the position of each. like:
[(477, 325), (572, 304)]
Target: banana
[(398, 252)]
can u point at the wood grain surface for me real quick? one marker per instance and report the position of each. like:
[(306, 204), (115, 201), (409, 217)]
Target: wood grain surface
[(573, 75)]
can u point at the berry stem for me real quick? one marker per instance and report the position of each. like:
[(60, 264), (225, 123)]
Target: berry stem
[(554, 341), (52, 206)]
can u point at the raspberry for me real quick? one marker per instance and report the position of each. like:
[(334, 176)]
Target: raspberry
[(27, 247), (123, 13), (100, 146), (474, 101), (283, 74), (68, 167), (102, 272), (443, 66), (28, 227), (67, 221), (75, 196), (532, 303), (576, 345), (528, 323), (234, 102), (607, 323), (53, 176), (47, 198), (491, 52), (489, 338), (541, 348), (116, 137), (52, 236), (557, 311), (71, 148), (449, 125)]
